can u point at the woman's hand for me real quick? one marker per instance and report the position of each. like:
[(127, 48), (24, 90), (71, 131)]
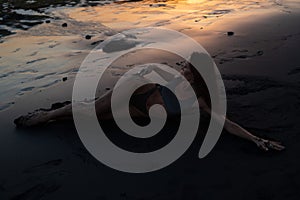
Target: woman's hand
[(266, 145)]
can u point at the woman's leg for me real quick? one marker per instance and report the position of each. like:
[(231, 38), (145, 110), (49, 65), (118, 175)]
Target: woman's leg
[(239, 131), (41, 116)]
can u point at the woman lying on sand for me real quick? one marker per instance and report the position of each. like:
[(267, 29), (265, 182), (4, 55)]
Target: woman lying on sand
[(146, 96)]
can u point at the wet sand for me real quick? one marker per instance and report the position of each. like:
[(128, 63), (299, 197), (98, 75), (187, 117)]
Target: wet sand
[(260, 66)]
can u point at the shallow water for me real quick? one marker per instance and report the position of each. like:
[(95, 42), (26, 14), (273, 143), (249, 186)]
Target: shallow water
[(42, 54)]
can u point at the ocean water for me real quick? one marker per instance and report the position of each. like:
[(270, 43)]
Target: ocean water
[(37, 51)]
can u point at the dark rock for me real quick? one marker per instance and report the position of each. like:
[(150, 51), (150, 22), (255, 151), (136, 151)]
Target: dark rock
[(65, 78), (158, 5), (230, 33), (88, 37), (47, 21), (260, 53), (64, 25)]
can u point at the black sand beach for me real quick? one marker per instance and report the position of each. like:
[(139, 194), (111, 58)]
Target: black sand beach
[(260, 66)]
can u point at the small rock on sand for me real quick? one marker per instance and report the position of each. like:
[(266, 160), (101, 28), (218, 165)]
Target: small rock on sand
[(260, 53), (64, 78), (230, 33), (158, 5), (88, 37), (64, 25)]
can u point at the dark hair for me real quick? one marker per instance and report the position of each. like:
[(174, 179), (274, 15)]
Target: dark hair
[(199, 85)]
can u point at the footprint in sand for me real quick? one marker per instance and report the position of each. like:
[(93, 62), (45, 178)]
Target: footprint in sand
[(27, 71), (162, 23), (49, 84), (224, 56), (6, 105), (44, 166), (33, 54), (27, 89), (24, 90), (294, 71), (37, 181), (54, 45), (44, 75), (37, 60), (37, 192), (7, 74), (85, 157), (249, 84), (18, 49)]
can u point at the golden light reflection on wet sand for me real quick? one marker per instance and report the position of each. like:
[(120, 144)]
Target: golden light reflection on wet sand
[(187, 16)]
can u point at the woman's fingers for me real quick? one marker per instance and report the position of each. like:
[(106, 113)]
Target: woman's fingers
[(266, 145), (262, 146), (276, 145), (265, 148)]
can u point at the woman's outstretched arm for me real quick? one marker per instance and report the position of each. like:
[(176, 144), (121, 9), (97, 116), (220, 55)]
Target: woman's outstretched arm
[(235, 129)]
